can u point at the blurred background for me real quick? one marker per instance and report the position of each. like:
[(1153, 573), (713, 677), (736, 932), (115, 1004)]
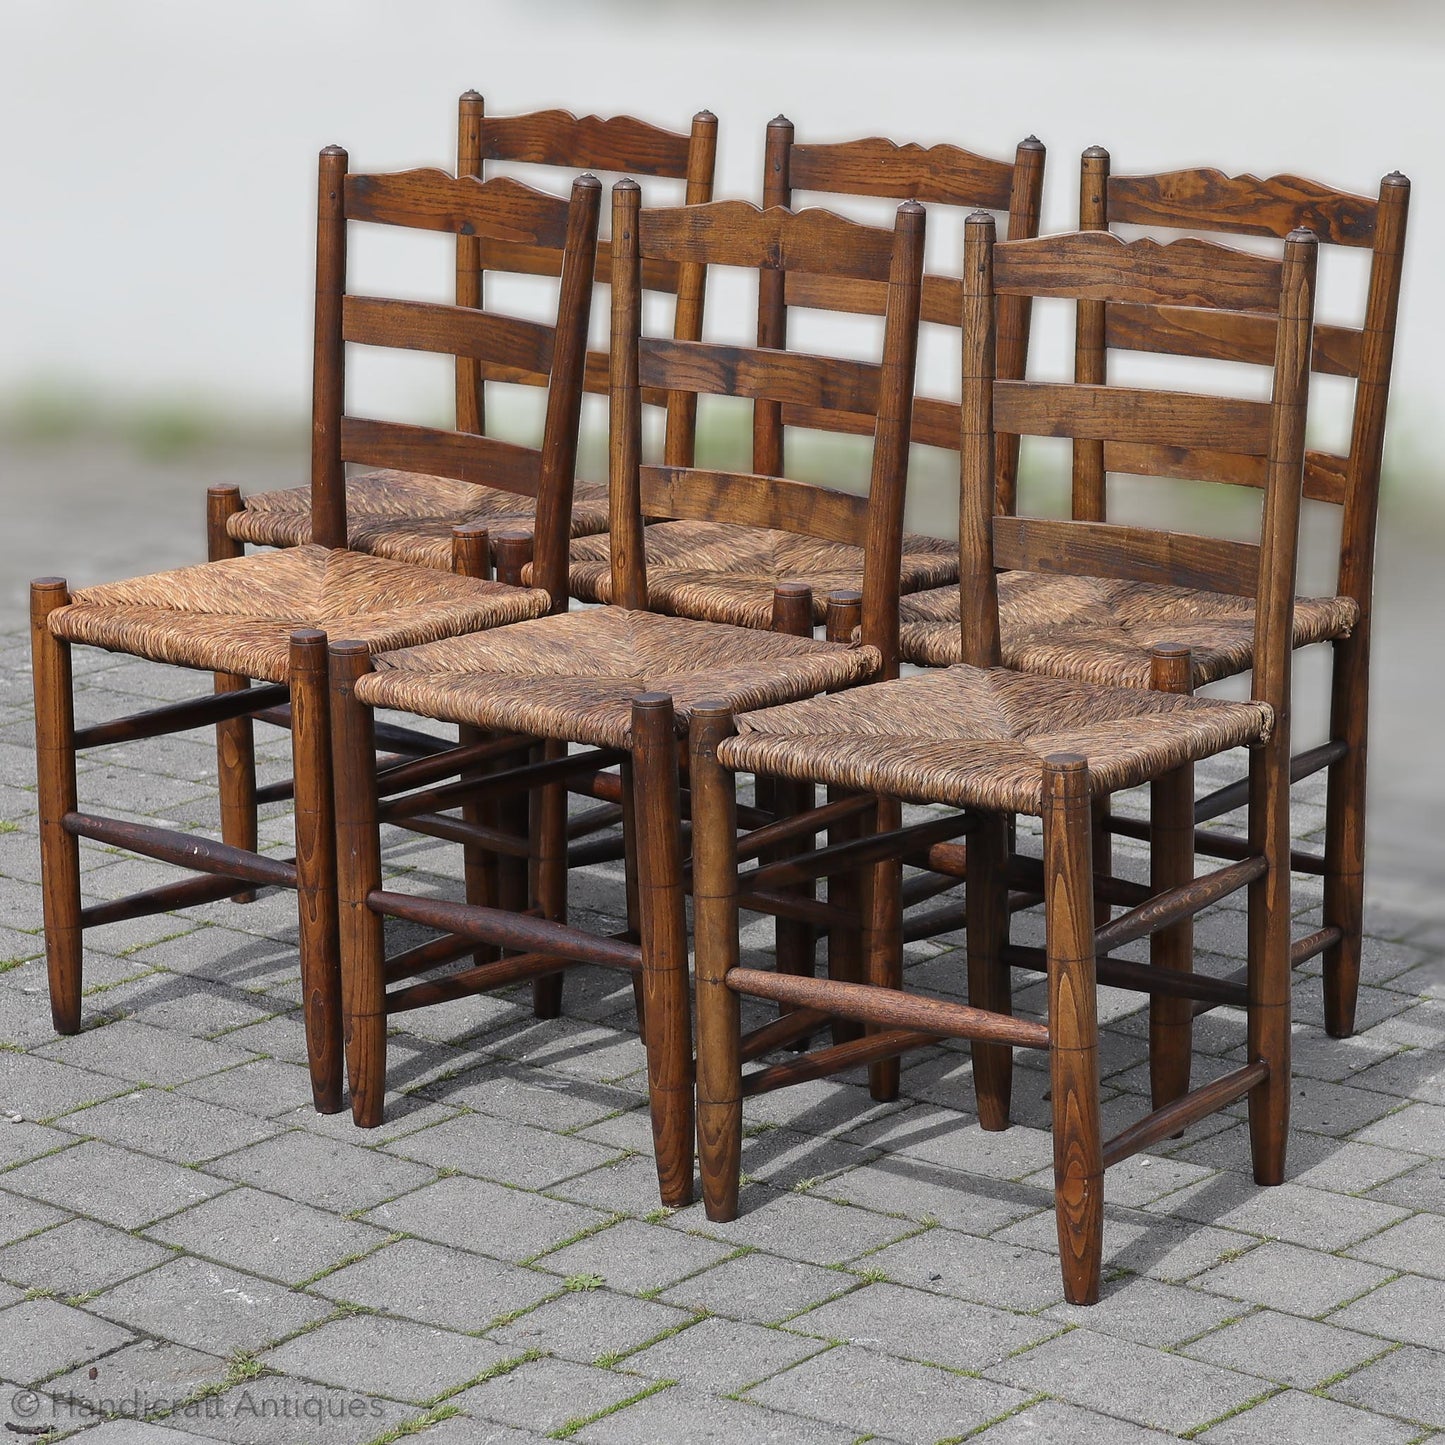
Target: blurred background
[(158, 232)]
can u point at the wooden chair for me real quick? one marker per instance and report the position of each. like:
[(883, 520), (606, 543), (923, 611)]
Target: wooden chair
[(1104, 630), (621, 680), (725, 572), (267, 615), (997, 742), (409, 514)]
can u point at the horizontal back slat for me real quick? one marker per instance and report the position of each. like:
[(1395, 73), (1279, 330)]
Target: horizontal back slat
[(1242, 205), (462, 456), (1326, 477), (942, 297), (737, 233), (1192, 464), (1136, 554), (786, 376), (941, 174), (1224, 336), (1125, 414), (695, 495), (1099, 266), (458, 331), (935, 423), (589, 142), (431, 200), (526, 260)]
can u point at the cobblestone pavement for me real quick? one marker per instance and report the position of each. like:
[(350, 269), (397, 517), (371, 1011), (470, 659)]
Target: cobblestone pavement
[(180, 1233)]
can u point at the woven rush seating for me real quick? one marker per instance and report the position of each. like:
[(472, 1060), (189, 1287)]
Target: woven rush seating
[(237, 615), (408, 517), (1099, 629), (725, 573), (574, 675), (978, 737)]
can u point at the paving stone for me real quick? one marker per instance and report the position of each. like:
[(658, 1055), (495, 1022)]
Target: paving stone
[(138, 1432), (1409, 1309), (387, 1357), (1117, 1377), (1419, 1128), (726, 1354), (758, 1287), (323, 1172), (276, 1410), (983, 1270), (1409, 1074), (264, 1088), (267, 1235), (21, 1140), (1409, 1382), (1350, 1168), (113, 1185), (588, 1324), (680, 1414), (800, 1226), (20, 1217), (42, 1337), (1416, 1244), (1292, 1418), (1148, 1312), (462, 1430), (437, 1285), (79, 1257), (531, 1096), (1285, 1348), (930, 1328), (143, 1378), (546, 1393), (1290, 1278), (39, 1089), (488, 1218), (628, 1186), (1292, 1212), (1052, 1422), (634, 1257), (571, 1046), (858, 1389), (498, 1149), (170, 1126), (208, 1307), (146, 1055), (1420, 1188), (920, 1191), (941, 1136)]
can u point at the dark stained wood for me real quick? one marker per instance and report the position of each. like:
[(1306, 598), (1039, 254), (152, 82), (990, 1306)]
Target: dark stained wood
[(328, 373), (316, 867), (715, 936), (427, 326), (890, 1007), (170, 846), (867, 1049), (736, 233), (1242, 205), (1099, 266), (692, 494), (205, 888), (1170, 902), (459, 455), (990, 985), (56, 795), (784, 376), (559, 138), (625, 511), (670, 1083), (942, 174), (1173, 1119), (783, 1032), (1073, 1027), (1140, 554), (431, 200), (1136, 977), (470, 391), (1121, 414), (179, 716)]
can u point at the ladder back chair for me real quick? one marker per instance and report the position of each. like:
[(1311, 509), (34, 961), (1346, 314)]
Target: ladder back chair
[(267, 615), (996, 742), (1104, 630), (619, 680), (408, 513), (730, 572)]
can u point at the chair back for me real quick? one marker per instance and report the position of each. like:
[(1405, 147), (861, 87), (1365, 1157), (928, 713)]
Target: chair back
[(940, 176), (1216, 438), (1212, 202), (570, 143), (553, 355), (775, 240)]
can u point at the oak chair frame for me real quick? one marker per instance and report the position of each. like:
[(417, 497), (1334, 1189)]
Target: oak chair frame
[(233, 867), (1209, 201), (1077, 954), (654, 947)]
